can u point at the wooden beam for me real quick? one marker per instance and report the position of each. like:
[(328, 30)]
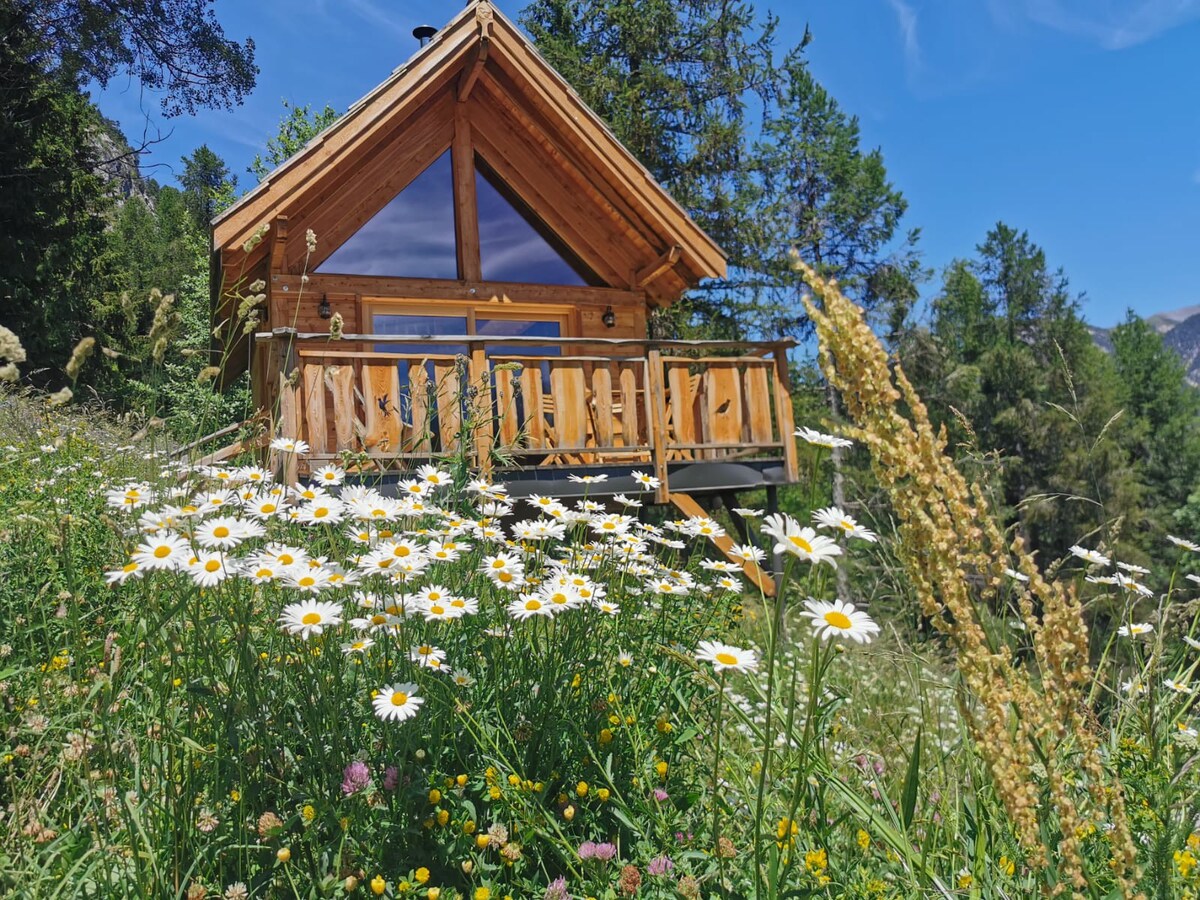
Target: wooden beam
[(687, 505), (647, 274), (279, 235), (466, 218), (474, 67)]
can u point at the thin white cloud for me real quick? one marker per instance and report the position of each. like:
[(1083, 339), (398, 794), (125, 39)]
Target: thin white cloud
[(906, 18), (381, 17), (1113, 24)]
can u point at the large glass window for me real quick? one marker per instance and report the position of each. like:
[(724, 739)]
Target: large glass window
[(411, 237), (514, 245)]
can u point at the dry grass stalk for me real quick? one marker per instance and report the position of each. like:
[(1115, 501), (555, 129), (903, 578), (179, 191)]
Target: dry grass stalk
[(1031, 719)]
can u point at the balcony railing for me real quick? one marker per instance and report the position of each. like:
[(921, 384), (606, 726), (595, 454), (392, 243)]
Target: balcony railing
[(515, 402)]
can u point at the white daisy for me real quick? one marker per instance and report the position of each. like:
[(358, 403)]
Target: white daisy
[(835, 517), (727, 658), (329, 476), (839, 619), (225, 532), (1184, 543), (1135, 629), (1180, 687), (1090, 556), (310, 617), (529, 605), (645, 481), (163, 551), (747, 553), (804, 543), (208, 569), (819, 439), (397, 702), (123, 574), (289, 445), (359, 646)]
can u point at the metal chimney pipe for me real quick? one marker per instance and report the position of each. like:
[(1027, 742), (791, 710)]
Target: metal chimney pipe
[(423, 33)]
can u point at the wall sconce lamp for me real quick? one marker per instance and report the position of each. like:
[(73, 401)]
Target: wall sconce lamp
[(323, 308), (609, 318)]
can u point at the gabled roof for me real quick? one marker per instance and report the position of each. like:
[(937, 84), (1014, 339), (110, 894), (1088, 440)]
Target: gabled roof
[(529, 124)]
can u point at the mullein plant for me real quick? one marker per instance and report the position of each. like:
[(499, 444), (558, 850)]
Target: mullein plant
[(1031, 722)]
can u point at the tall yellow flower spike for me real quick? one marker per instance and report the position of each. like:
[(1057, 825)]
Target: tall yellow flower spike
[(1030, 718)]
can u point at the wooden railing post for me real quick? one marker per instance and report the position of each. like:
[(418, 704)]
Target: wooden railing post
[(479, 413), (656, 397), (784, 414)]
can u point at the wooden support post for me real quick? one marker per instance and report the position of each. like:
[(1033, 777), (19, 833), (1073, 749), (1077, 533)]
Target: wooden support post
[(647, 274), (656, 395), (687, 505), (279, 229), (784, 415), (466, 221), (474, 67), (479, 392)]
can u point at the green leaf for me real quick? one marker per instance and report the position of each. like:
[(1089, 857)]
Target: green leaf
[(908, 799)]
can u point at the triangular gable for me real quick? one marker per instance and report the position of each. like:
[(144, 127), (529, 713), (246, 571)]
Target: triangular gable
[(561, 160)]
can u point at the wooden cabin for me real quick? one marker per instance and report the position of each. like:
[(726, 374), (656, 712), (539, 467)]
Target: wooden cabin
[(493, 253)]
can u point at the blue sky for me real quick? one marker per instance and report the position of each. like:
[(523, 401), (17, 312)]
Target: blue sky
[(1078, 120)]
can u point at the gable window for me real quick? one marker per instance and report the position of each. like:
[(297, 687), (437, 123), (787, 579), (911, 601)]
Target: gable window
[(411, 237), (514, 245), (414, 235)]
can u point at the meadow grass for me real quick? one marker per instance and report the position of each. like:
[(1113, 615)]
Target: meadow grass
[(215, 685)]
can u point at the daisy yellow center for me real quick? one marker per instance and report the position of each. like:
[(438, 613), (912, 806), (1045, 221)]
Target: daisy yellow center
[(402, 551), (533, 605), (378, 513), (847, 525), (131, 567), (399, 698), (726, 659), (559, 598), (263, 573), (221, 531), (320, 512), (437, 609), (837, 619), (162, 552), (311, 618), (378, 619), (268, 507), (212, 565), (498, 564), (800, 542), (434, 662), (307, 581), (286, 559), (506, 576)]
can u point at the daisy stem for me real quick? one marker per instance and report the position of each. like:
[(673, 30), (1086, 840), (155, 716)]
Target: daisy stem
[(716, 778), (768, 731)]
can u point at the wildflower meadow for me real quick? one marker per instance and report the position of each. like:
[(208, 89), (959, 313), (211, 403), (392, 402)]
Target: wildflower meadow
[(217, 684)]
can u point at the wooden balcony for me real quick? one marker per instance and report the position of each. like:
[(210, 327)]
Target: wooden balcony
[(515, 406)]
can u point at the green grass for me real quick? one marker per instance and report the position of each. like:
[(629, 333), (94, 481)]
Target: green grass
[(162, 739)]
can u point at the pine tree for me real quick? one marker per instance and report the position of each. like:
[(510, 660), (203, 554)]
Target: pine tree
[(205, 181)]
